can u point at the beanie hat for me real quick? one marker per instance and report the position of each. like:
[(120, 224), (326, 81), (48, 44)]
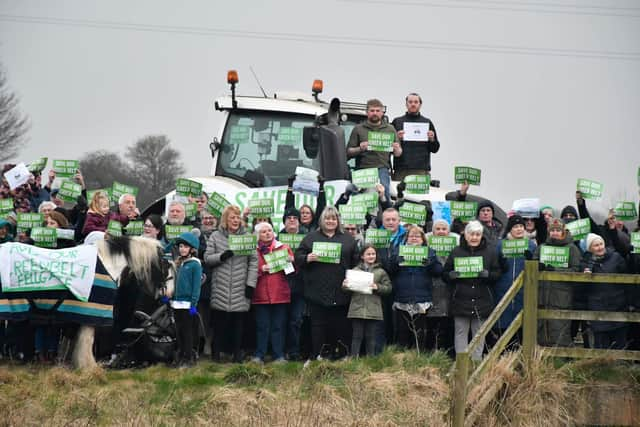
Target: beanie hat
[(291, 212), (545, 207), (593, 238), (485, 204), (514, 220), (188, 239), (569, 210)]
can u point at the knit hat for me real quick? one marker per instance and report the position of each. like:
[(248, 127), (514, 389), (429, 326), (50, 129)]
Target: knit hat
[(485, 204), (593, 238), (556, 224), (514, 220), (569, 210), (291, 212), (188, 239)]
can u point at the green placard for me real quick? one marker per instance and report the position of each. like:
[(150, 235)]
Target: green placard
[(556, 256), (134, 228), (240, 134), (244, 244), (290, 136), (38, 165), (413, 255), (379, 238), (6, 205), (465, 211), (625, 211), (44, 237), (173, 231), (468, 174), (370, 200), (277, 260), (635, 242), (514, 248), (589, 189), (261, 207), (216, 204), (118, 189), (579, 228), (66, 168), (190, 211), (186, 187), (468, 266), (380, 141), (291, 240), (353, 214), (114, 228), (417, 184), (413, 213), (69, 191), (365, 178), (443, 245), (328, 252), (27, 221)]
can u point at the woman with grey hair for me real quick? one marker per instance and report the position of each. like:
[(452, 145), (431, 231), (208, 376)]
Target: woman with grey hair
[(324, 256), (472, 269)]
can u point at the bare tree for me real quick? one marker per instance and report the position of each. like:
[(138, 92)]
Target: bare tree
[(13, 124), (100, 168)]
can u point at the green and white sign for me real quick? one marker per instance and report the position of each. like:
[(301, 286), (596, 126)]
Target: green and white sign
[(443, 245), (555, 256), (353, 214), (66, 168), (327, 252), (379, 238), (216, 204), (27, 221), (114, 228), (118, 189), (69, 191), (370, 200), (468, 266), (261, 207), (365, 178), (381, 141), (418, 184), (468, 174), (240, 134), (514, 248), (173, 231), (6, 205), (413, 255), (26, 268), (625, 211), (190, 210), (38, 165), (277, 260), (579, 228), (289, 135), (291, 240), (244, 244), (413, 213), (589, 189), (186, 187), (44, 237), (134, 228), (635, 242), (465, 211)]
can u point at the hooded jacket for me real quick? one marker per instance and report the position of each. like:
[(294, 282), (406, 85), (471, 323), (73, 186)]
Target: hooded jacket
[(272, 288), (189, 275), (365, 306), (371, 159), (415, 154)]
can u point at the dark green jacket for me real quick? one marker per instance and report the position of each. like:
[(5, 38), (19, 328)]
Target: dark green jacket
[(371, 159)]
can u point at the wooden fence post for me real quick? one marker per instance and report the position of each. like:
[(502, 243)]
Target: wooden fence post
[(460, 388), (530, 315)]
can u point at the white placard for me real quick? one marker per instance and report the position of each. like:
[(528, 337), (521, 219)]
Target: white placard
[(359, 281), (306, 181), (527, 208), (415, 131), (17, 176)]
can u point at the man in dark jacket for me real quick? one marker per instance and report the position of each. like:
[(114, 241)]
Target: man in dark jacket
[(416, 155)]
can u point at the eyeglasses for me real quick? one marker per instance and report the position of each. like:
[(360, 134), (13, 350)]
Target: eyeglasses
[(207, 219), (350, 228), (145, 225)]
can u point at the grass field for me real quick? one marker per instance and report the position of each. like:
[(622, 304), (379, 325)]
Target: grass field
[(392, 389)]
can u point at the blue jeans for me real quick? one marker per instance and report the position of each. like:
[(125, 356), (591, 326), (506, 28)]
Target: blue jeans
[(270, 323), (294, 324), (385, 180)]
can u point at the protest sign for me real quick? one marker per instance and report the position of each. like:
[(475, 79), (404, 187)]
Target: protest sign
[(555, 256), (413, 213), (244, 244), (118, 189), (134, 228), (327, 252), (359, 281), (635, 242), (468, 174), (291, 240), (66, 168), (380, 141), (626, 211), (114, 228), (465, 211), (306, 181), (579, 228), (365, 178), (589, 189), (17, 176), (26, 221), (216, 204), (186, 187), (514, 248), (190, 211), (277, 260), (417, 184), (353, 214), (44, 237), (379, 238), (370, 200), (261, 207), (6, 205), (469, 266), (173, 231), (412, 255), (441, 210), (526, 208), (65, 233), (38, 165), (69, 191), (415, 131), (443, 245)]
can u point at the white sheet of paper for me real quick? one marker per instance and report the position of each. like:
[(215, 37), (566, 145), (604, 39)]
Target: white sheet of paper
[(527, 208), (306, 181), (359, 281), (415, 131), (17, 176)]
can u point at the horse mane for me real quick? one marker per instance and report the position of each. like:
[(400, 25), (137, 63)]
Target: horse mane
[(142, 255)]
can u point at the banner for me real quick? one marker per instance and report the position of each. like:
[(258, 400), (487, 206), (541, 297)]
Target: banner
[(514, 248), (555, 256), (413, 213), (277, 260), (579, 228), (443, 245), (380, 141), (365, 178), (589, 189), (216, 204), (468, 174), (186, 187), (465, 211), (468, 266), (291, 240), (412, 255), (379, 238), (417, 184), (29, 268), (244, 244), (328, 252)]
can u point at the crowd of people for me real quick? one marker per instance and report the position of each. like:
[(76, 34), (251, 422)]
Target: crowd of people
[(331, 291)]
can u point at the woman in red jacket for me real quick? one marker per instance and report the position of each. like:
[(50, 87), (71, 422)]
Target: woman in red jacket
[(272, 294)]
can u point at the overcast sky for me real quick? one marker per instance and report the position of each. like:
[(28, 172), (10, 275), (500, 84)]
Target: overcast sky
[(536, 94)]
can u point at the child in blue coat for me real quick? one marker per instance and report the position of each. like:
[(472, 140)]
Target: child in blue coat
[(187, 294)]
